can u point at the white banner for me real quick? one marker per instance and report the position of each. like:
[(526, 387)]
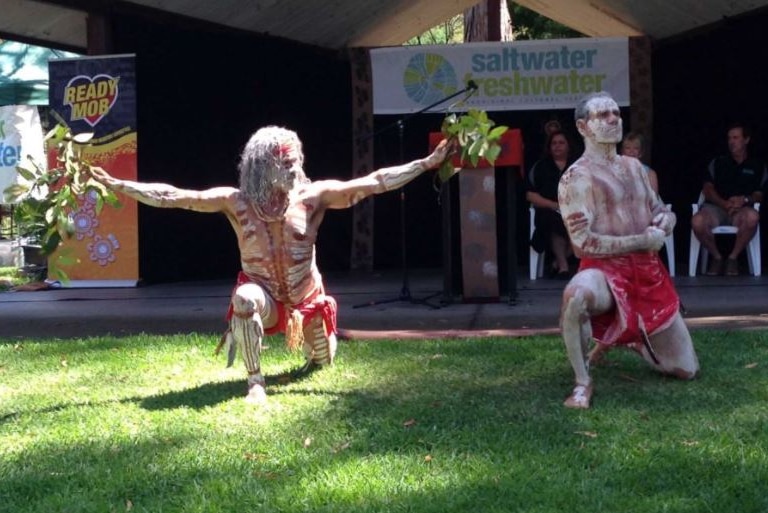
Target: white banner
[(520, 75), (20, 135)]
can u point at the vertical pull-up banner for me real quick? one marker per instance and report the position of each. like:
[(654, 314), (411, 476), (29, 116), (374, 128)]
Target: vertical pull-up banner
[(98, 95)]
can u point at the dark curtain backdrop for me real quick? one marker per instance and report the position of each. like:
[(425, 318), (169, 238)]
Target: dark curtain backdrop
[(703, 82), (201, 94)]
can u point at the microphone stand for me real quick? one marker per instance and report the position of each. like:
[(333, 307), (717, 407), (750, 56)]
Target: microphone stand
[(405, 291)]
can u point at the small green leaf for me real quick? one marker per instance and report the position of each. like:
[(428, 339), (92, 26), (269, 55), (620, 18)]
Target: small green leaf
[(50, 244), (51, 214), (497, 132), (13, 192), (446, 171), (55, 271), (492, 153), (27, 173), (475, 149), (67, 260), (57, 134)]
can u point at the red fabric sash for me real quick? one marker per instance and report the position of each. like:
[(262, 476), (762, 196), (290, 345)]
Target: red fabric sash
[(316, 304)]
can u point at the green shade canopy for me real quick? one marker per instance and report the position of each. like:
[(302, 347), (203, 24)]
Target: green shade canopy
[(24, 72)]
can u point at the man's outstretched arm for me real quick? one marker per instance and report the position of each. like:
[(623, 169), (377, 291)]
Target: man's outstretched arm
[(340, 194), (167, 196)]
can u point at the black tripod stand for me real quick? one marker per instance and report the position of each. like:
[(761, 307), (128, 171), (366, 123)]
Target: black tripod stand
[(405, 291)]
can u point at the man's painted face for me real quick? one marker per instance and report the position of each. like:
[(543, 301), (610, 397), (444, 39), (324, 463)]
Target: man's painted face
[(604, 122), (283, 177)]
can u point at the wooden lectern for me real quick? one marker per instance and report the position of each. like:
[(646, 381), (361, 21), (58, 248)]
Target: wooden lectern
[(478, 224)]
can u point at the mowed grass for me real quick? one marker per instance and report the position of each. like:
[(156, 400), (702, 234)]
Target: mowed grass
[(157, 424)]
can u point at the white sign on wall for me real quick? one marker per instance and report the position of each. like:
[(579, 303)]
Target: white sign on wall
[(519, 75), (20, 135)]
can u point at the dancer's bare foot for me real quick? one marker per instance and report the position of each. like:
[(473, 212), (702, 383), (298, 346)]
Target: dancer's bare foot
[(580, 397), (257, 394)]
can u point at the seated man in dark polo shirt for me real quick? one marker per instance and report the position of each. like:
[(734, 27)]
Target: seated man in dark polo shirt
[(732, 184)]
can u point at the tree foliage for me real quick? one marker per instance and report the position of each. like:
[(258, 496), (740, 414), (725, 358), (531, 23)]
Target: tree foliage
[(528, 24), (449, 32)]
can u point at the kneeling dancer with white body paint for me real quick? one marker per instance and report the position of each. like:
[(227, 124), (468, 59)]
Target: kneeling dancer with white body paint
[(622, 294), (276, 213)]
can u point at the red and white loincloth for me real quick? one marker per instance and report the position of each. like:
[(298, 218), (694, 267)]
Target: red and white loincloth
[(291, 319), (644, 294)]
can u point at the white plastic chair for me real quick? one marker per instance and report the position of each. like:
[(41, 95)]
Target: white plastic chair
[(669, 246), (753, 248), (535, 259)]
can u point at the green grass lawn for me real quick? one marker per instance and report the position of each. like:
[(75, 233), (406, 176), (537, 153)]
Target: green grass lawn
[(157, 424)]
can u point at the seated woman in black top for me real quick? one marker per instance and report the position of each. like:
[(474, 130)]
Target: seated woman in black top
[(541, 191)]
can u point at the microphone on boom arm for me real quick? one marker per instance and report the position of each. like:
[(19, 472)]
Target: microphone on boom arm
[(471, 84)]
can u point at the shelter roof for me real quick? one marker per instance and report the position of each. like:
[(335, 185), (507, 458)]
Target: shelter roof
[(339, 24)]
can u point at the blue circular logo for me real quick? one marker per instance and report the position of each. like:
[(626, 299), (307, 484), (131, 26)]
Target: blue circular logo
[(429, 78)]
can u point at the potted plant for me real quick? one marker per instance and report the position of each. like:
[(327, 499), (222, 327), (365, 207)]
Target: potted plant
[(29, 217)]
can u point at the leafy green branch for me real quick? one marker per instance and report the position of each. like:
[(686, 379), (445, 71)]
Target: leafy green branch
[(48, 198), (478, 137)]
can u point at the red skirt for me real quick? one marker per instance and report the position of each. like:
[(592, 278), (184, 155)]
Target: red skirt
[(316, 304), (644, 294)]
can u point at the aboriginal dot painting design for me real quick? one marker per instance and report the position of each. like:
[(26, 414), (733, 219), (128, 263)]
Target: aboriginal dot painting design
[(102, 250), (86, 220), (429, 78)]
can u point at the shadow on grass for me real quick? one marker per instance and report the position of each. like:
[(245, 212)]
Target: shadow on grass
[(199, 397), (211, 394)]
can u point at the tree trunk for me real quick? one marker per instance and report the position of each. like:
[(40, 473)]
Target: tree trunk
[(489, 20)]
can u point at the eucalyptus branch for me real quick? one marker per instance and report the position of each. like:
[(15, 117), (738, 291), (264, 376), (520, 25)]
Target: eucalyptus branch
[(48, 198), (478, 137)]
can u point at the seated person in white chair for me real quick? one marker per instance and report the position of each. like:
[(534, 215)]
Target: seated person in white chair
[(541, 191), (732, 184), (622, 294)]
